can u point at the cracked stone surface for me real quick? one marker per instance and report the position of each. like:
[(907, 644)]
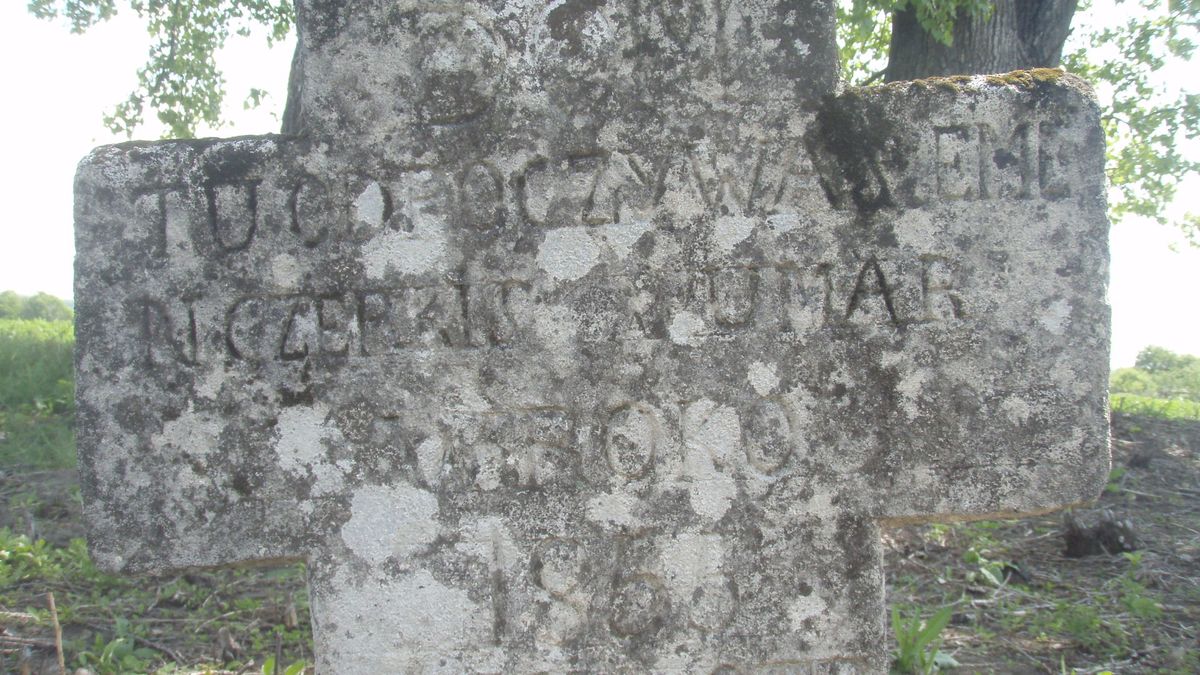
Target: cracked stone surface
[(592, 336)]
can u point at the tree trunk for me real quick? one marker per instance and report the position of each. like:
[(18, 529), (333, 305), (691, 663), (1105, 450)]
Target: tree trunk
[(1018, 34), (291, 109)]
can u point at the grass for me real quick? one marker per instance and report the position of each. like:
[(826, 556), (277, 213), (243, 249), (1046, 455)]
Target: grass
[(917, 642), (37, 393), (1109, 618), (208, 622), (35, 363), (1021, 606)]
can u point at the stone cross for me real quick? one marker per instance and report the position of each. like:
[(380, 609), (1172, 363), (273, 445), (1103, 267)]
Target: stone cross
[(592, 335)]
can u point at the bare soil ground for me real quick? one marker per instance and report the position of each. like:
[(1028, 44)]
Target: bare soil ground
[(1022, 606), (1019, 604)]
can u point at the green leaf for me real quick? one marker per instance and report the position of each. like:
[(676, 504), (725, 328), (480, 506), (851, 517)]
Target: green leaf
[(990, 574), (935, 625), (944, 660), (180, 82)]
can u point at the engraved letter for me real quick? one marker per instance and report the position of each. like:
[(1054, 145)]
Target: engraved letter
[(165, 214), (232, 213), (1054, 156), (298, 330), (871, 282), (488, 308), (733, 296), (311, 211), (630, 440), (1008, 170), (244, 327), (806, 297), (639, 605), (939, 299), (160, 333), (557, 566), (373, 333), (481, 196), (532, 194), (334, 316), (958, 163), (767, 435), (537, 448)]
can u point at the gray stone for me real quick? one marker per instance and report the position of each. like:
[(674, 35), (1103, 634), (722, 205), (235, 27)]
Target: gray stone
[(592, 336)]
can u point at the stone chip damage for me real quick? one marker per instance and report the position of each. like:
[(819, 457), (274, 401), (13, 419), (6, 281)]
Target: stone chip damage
[(592, 336)]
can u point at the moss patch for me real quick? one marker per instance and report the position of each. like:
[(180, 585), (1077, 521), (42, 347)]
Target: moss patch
[(1027, 79), (1021, 79)]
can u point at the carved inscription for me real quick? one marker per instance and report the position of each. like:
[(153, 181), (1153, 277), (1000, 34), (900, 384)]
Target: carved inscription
[(690, 39), (166, 337), (543, 447), (767, 181), (978, 162), (639, 604), (370, 323), (309, 196), (639, 582), (589, 188), (156, 205), (782, 301), (767, 435), (790, 301), (232, 214), (517, 449)]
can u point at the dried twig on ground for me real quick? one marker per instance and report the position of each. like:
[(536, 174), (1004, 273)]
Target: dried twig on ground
[(58, 645)]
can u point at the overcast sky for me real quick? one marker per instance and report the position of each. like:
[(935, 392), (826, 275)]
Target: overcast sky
[(59, 85)]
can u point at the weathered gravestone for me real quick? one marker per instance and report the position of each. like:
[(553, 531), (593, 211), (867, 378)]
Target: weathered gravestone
[(592, 336)]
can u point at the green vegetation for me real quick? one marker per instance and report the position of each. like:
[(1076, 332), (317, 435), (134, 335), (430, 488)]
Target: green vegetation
[(1144, 121), (1146, 406), (180, 82), (1161, 384), (114, 624), (232, 619), (40, 306), (917, 642), (1095, 611), (37, 393)]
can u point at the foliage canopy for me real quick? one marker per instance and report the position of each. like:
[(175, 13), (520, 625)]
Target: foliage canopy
[(180, 81), (1160, 373), (41, 306)]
